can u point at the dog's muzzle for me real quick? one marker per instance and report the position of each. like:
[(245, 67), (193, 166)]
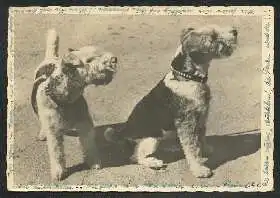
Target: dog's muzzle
[(222, 47), (112, 65)]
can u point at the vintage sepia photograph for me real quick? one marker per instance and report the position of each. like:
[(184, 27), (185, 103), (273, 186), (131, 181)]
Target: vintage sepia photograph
[(140, 99)]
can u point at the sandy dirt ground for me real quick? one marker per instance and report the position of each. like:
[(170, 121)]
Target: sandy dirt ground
[(144, 45)]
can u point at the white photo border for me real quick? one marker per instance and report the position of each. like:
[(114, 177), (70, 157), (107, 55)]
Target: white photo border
[(267, 104)]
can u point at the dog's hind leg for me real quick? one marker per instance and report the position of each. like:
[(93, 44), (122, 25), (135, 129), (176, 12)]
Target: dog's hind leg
[(145, 149), (90, 149), (186, 129)]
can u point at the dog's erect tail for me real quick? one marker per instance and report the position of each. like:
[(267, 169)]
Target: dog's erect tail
[(46, 67), (52, 44)]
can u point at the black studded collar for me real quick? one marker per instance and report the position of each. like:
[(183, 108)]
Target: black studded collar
[(188, 76)]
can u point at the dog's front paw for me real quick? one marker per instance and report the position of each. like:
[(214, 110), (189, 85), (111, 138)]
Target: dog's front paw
[(152, 162), (58, 173), (97, 166), (201, 171)]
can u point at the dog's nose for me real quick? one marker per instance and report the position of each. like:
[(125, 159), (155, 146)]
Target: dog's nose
[(113, 64)]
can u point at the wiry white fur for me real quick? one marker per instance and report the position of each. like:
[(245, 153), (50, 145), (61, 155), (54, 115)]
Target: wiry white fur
[(145, 148)]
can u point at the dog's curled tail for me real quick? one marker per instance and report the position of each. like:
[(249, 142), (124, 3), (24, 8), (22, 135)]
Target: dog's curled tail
[(52, 44)]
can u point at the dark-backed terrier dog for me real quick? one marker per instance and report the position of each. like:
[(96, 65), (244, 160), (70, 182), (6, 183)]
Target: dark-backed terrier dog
[(179, 103)]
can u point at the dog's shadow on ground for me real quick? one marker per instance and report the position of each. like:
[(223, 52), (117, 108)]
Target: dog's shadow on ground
[(112, 155), (231, 147), (226, 148)]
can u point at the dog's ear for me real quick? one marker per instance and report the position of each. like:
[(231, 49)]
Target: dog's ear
[(185, 32), (178, 59), (45, 68), (71, 60)]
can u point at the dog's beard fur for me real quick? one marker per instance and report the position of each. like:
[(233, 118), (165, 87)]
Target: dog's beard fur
[(98, 77), (222, 48), (103, 79)]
